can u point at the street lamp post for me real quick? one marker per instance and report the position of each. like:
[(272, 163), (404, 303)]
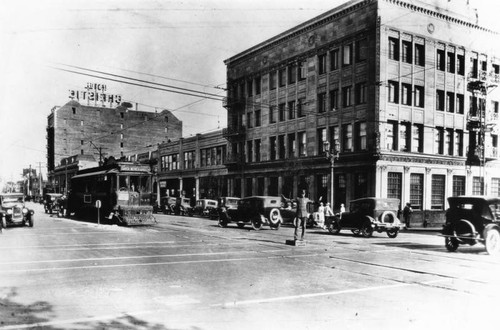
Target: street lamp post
[(332, 155)]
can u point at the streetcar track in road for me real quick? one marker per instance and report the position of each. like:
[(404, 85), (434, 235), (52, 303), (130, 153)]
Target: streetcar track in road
[(152, 256), (403, 269), (29, 270)]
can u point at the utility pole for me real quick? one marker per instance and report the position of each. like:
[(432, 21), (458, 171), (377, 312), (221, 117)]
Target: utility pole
[(99, 149)]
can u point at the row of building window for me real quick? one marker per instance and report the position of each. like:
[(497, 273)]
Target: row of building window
[(407, 137), (438, 188), (212, 156), (410, 95), (447, 57), (297, 71)]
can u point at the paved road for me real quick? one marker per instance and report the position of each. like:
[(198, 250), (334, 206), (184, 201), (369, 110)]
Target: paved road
[(187, 273)]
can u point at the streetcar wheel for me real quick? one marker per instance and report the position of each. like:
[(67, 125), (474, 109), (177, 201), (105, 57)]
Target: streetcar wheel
[(451, 244), (492, 241), (366, 229), (392, 233)]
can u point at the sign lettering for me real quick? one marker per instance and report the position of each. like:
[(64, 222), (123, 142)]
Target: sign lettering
[(95, 93)]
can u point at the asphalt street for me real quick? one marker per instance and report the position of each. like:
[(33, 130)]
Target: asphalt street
[(188, 273)]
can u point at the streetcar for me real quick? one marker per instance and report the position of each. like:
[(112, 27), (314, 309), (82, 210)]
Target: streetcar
[(118, 191)]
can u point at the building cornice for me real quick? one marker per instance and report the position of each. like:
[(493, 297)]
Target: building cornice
[(435, 14), (338, 12)]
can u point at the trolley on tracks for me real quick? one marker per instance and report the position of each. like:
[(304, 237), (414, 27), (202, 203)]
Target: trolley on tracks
[(124, 190)]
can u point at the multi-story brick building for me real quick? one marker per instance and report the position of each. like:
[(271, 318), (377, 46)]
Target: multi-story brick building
[(194, 166), (403, 90), (76, 129)]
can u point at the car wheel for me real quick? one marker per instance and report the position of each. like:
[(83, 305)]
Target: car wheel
[(367, 229), (392, 233), (256, 223), (451, 244), (333, 227), (4, 222), (492, 241), (275, 226), (222, 223), (356, 232), (241, 225), (30, 222)]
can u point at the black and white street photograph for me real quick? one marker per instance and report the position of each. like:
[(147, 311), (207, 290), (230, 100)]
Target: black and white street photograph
[(220, 165)]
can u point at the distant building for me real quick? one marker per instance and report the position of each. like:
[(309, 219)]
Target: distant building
[(402, 92), (194, 166), (99, 132)]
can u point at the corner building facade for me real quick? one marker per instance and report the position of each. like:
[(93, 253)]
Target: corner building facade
[(404, 91)]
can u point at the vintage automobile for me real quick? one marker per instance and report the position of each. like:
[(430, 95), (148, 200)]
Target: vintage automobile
[(49, 200), (204, 206), (13, 211), (183, 206), (166, 206), (473, 219), (258, 211), (226, 208), (367, 215), (60, 206)]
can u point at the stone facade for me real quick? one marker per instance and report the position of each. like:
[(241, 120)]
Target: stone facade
[(388, 84)]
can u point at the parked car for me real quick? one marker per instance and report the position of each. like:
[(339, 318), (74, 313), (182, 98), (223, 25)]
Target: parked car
[(204, 206), (258, 211), (48, 201), (226, 208), (60, 206), (367, 215), (13, 211), (183, 206), (473, 219), (166, 206)]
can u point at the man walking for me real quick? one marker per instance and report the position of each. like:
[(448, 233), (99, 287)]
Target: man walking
[(301, 215)]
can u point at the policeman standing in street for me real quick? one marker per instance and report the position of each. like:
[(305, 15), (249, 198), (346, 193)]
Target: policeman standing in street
[(301, 215)]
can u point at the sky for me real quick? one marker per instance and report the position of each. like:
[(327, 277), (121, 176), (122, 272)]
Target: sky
[(49, 47)]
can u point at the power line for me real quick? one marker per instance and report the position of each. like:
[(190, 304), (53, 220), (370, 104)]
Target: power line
[(139, 80), (203, 94)]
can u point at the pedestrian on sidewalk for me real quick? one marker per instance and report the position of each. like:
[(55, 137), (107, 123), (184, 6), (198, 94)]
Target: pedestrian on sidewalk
[(407, 211)]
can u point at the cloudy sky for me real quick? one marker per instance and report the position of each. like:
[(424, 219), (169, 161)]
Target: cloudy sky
[(176, 43)]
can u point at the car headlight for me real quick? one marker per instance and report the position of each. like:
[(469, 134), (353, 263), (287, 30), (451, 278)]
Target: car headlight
[(9, 211), (25, 211)]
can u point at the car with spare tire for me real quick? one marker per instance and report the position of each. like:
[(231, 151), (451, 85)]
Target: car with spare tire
[(258, 211), (366, 216), (471, 220)]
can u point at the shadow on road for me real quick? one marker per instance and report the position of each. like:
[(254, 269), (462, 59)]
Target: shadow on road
[(14, 314)]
